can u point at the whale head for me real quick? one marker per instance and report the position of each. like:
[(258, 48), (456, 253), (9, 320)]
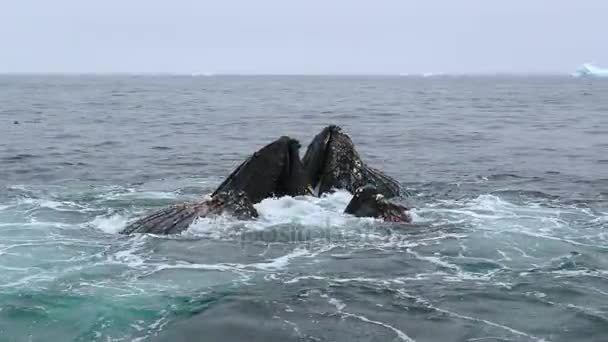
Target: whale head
[(332, 162), (367, 201), (274, 170), (329, 160)]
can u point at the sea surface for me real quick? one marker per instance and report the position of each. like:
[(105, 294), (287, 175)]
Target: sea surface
[(507, 178)]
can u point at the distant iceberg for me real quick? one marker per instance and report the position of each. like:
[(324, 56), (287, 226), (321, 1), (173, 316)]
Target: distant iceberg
[(590, 70), (205, 74)]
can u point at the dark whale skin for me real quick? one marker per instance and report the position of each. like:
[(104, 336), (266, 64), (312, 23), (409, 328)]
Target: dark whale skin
[(367, 201), (273, 171), (177, 218), (332, 162)]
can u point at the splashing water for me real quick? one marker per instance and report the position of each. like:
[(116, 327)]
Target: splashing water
[(486, 242)]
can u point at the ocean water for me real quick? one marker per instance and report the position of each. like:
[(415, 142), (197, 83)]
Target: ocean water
[(507, 178)]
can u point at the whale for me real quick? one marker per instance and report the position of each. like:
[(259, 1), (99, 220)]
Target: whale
[(331, 162), (367, 201), (177, 218), (275, 170)]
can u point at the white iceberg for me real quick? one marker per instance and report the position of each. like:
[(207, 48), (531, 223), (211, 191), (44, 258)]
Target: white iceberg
[(590, 70)]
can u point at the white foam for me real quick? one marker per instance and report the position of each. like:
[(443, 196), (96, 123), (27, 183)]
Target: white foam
[(205, 267), (109, 224), (297, 279), (282, 261), (337, 303), (132, 194), (495, 215), (340, 306), (490, 323), (503, 254), (319, 212), (400, 334), (268, 265), (468, 318), (52, 204), (129, 256), (433, 259), (326, 211), (418, 218), (214, 227)]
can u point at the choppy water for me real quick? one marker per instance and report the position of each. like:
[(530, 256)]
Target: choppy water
[(508, 177)]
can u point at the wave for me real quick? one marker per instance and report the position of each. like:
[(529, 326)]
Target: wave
[(110, 224)]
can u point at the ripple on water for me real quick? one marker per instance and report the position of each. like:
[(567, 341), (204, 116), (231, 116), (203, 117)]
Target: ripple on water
[(304, 266)]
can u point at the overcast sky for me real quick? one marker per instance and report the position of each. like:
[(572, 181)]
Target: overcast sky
[(306, 36)]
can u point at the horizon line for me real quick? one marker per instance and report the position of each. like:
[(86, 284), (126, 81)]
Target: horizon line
[(220, 74)]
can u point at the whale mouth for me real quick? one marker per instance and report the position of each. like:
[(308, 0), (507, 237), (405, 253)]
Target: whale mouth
[(274, 170), (321, 158), (292, 181), (332, 162)]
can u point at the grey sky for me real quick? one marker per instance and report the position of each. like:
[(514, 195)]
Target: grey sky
[(308, 36)]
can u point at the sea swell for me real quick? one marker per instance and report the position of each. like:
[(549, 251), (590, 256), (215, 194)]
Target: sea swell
[(64, 254), (506, 186)]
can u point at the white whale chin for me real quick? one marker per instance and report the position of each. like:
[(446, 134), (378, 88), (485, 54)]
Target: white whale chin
[(590, 70)]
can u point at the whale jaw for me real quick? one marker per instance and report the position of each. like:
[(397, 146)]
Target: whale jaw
[(178, 218), (273, 171), (332, 162)]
